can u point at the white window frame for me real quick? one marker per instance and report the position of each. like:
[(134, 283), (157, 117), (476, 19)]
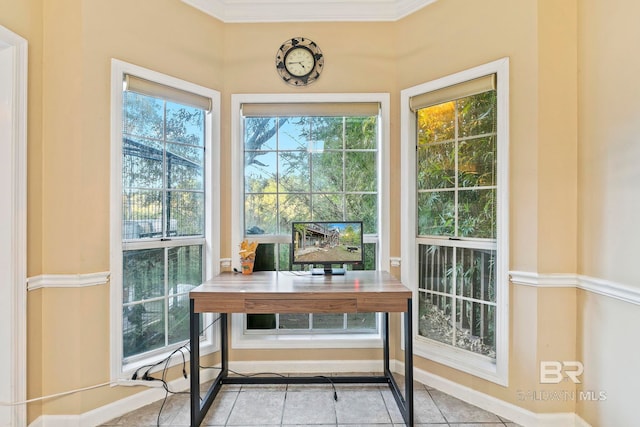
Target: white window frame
[(210, 343), (240, 339), (462, 360)]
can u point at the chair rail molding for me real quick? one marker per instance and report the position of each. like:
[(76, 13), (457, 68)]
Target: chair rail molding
[(608, 288), (67, 280)]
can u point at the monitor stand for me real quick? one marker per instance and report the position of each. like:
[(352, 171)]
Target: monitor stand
[(327, 270)]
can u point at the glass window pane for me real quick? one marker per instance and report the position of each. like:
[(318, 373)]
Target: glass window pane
[(141, 163), (476, 273), (294, 321), (178, 318), (327, 133), (436, 123), (476, 213), (361, 321), (327, 170), (260, 171), (293, 207), (363, 207), (328, 321), (327, 207), (293, 171), (477, 162), (360, 171), (185, 124), (143, 274), (185, 167), (370, 256), (260, 213), (143, 327), (260, 133), (185, 213), (141, 214), (435, 266), (477, 114), (436, 213), (436, 166), (361, 132), (293, 134), (476, 327), (435, 319), (185, 273), (143, 116), (185, 268)]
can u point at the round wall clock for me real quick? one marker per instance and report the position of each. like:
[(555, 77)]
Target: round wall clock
[(299, 61)]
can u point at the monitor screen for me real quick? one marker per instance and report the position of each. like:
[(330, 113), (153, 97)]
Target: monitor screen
[(327, 243)]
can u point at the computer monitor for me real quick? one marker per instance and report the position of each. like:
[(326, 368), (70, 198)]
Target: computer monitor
[(327, 243)]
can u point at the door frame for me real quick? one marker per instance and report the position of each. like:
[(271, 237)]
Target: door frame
[(13, 59)]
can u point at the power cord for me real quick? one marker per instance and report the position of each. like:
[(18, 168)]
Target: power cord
[(333, 385), (148, 377)]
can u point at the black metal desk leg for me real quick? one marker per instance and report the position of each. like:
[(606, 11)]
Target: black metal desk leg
[(408, 362), (194, 363), (224, 345), (385, 338)]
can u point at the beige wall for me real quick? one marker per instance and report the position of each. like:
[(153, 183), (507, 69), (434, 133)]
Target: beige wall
[(450, 36), (609, 149), (609, 199), (71, 43), (609, 350), (566, 134), (25, 18)]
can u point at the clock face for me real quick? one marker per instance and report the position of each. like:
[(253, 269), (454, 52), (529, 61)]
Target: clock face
[(299, 61)]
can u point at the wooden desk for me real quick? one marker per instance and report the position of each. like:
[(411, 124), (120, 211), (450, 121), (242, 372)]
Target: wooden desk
[(292, 292)]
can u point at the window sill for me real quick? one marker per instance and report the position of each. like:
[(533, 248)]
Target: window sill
[(240, 340), (474, 364)]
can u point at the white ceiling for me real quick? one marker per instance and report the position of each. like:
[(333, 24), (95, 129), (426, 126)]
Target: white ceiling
[(307, 10)]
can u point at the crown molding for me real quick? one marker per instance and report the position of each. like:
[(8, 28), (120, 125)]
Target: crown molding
[(247, 11)]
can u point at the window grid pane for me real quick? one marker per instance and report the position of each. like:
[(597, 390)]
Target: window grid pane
[(163, 187), (319, 165), (456, 168), (472, 299), (301, 168)]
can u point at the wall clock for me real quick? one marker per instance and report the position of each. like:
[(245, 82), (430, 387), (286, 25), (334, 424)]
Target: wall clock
[(299, 61)]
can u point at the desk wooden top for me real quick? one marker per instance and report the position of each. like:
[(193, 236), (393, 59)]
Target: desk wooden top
[(298, 292)]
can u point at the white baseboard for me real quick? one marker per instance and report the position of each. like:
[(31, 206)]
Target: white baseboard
[(118, 408), (489, 403)]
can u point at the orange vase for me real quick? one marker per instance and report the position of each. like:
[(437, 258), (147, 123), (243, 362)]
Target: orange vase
[(247, 266)]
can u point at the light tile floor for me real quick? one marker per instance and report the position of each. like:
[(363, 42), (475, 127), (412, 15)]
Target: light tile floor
[(314, 405)]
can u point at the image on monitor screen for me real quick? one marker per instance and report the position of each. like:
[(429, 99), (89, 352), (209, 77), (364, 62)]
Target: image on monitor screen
[(327, 243)]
